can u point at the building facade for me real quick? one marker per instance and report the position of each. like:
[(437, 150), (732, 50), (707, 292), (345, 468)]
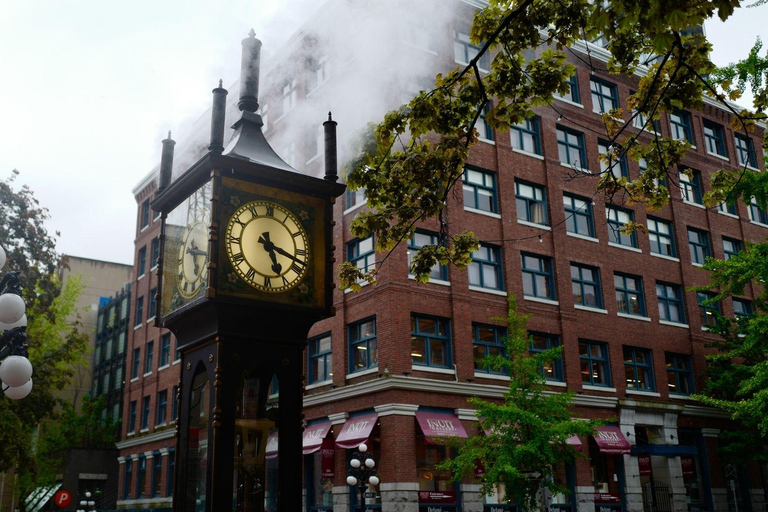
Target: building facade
[(397, 363)]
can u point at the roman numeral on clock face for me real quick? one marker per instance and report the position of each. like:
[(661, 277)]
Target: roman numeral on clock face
[(238, 258), (250, 274), (271, 211)]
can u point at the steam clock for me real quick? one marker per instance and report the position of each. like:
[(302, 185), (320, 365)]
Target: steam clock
[(246, 270)]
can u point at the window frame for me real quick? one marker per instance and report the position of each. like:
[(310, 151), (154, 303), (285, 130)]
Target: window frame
[(701, 248), (631, 363), (547, 274), (615, 236), (680, 374), (565, 146), (690, 187), (142, 262), (161, 418), (612, 95), (151, 311), (526, 204), (708, 313), (745, 146), (157, 470), (737, 247), (603, 148), (474, 188), (756, 214), (314, 355), (583, 282), (463, 29), (144, 215), (573, 95), (714, 138), (370, 340), (139, 312), (665, 300), (654, 231), (128, 479), (493, 260), (165, 350), (685, 124), (499, 333), (591, 360), (439, 271), (530, 127), (354, 255), (627, 292), (572, 213), (149, 356), (551, 341), (155, 249), (145, 412), (132, 416), (429, 337), (136, 363)]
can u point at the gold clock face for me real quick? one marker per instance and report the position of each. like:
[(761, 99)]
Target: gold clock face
[(267, 246), (193, 260)]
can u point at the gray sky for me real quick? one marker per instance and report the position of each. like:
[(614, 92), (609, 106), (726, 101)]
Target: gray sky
[(88, 88)]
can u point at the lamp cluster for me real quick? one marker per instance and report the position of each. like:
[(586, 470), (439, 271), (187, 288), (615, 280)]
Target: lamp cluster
[(87, 504), (362, 469), (15, 368)]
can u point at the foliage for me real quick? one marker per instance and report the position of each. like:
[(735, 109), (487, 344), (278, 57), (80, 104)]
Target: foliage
[(525, 434), (752, 70)]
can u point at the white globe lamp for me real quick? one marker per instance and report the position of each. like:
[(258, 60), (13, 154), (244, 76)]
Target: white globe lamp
[(351, 480), (21, 323), (2, 257), (15, 371), (19, 392), (11, 308), (374, 480)]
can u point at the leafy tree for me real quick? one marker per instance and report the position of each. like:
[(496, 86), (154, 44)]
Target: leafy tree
[(409, 164), (55, 344), (526, 433)]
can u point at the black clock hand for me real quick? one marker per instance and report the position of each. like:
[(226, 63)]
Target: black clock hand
[(270, 248), (285, 253)]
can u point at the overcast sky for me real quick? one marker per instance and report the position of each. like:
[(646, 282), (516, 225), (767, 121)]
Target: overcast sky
[(88, 88)]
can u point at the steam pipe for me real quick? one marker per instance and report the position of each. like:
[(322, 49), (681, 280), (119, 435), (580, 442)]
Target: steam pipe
[(331, 165), (218, 114), (249, 73), (166, 162)]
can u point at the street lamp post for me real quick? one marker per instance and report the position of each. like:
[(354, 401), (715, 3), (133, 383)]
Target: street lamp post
[(362, 471), (15, 368)]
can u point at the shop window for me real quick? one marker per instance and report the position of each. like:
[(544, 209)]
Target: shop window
[(551, 370), (714, 138), (429, 477), (638, 369), (320, 359), (630, 299), (605, 470), (670, 299), (531, 203), (617, 220), (479, 189), (707, 312), (680, 125), (679, 374), (485, 268), (171, 470), (419, 240), (430, 342), (579, 218), (526, 136), (585, 282), (363, 353), (595, 366), (661, 236), (488, 340)]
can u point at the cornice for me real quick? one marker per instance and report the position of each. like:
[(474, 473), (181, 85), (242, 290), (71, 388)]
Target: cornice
[(142, 440)]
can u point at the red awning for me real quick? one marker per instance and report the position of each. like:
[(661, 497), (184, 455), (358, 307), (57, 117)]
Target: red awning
[(574, 441), (271, 450), (356, 430), (438, 425), (611, 440), (314, 435)]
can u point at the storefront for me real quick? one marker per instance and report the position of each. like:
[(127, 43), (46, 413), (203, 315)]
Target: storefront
[(358, 429), (606, 448), (319, 450), (437, 490)]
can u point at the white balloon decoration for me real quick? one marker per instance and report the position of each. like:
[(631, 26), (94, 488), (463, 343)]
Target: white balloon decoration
[(15, 371), (11, 308), (19, 392)]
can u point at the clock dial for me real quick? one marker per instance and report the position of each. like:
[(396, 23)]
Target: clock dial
[(267, 246), (193, 260)]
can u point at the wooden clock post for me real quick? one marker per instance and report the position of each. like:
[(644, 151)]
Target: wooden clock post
[(246, 270)]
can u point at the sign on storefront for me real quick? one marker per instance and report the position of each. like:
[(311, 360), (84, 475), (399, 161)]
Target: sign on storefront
[(644, 465), (687, 464)]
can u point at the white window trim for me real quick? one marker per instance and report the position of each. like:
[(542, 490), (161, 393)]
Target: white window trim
[(141, 276), (319, 384), (131, 433), (625, 247), (633, 317), (440, 282), (369, 371), (417, 47), (543, 301), (355, 207), (135, 379), (642, 393), (137, 327), (153, 267), (495, 376), (163, 367), (486, 141), (721, 157), (593, 310), (757, 223), (557, 383), (177, 361), (674, 324), (697, 264), (147, 374), (482, 212), (697, 205), (480, 289), (528, 153), (664, 257), (574, 168), (151, 319), (534, 225), (731, 215), (564, 100), (432, 369), (362, 284), (590, 387), (143, 430), (583, 237)]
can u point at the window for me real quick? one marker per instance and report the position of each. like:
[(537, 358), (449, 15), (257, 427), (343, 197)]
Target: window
[(362, 345), (132, 416), (742, 310), (419, 240), (488, 340), (604, 95), (485, 269), (141, 477), (145, 413), (640, 121), (638, 369), (177, 357), (670, 298), (480, 190), (320, 359), (757, 214), (463, 50), (118, 379), (162, 407), (171, 467), (629, 294), (430, 342), (573, 90), (157, 469), (571, 149), (145, 214), (485, 131), (680, 125), (361, 253), (139, 310), (707, 312), (714, 139), (155, 252), (728, 207), (745, 151), (617, 219), (679, 374), (289, 96), (142, 261), (585, 282), (152, 303), (149, 356), (136, 363), (579, 219), (128, 480), (553, 369), (165, 350), (319, 72), (690, 186), (526, 136), (595, 369), (354, 198), (538, 277), (531, 203), (731, 247), (174, 403), (661, 237), (315, 142), (618, 168), (698, 244)]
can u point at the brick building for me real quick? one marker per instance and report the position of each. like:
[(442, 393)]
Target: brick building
[(400, 355)]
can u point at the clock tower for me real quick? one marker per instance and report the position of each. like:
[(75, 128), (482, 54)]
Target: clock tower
[(245, 271)]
